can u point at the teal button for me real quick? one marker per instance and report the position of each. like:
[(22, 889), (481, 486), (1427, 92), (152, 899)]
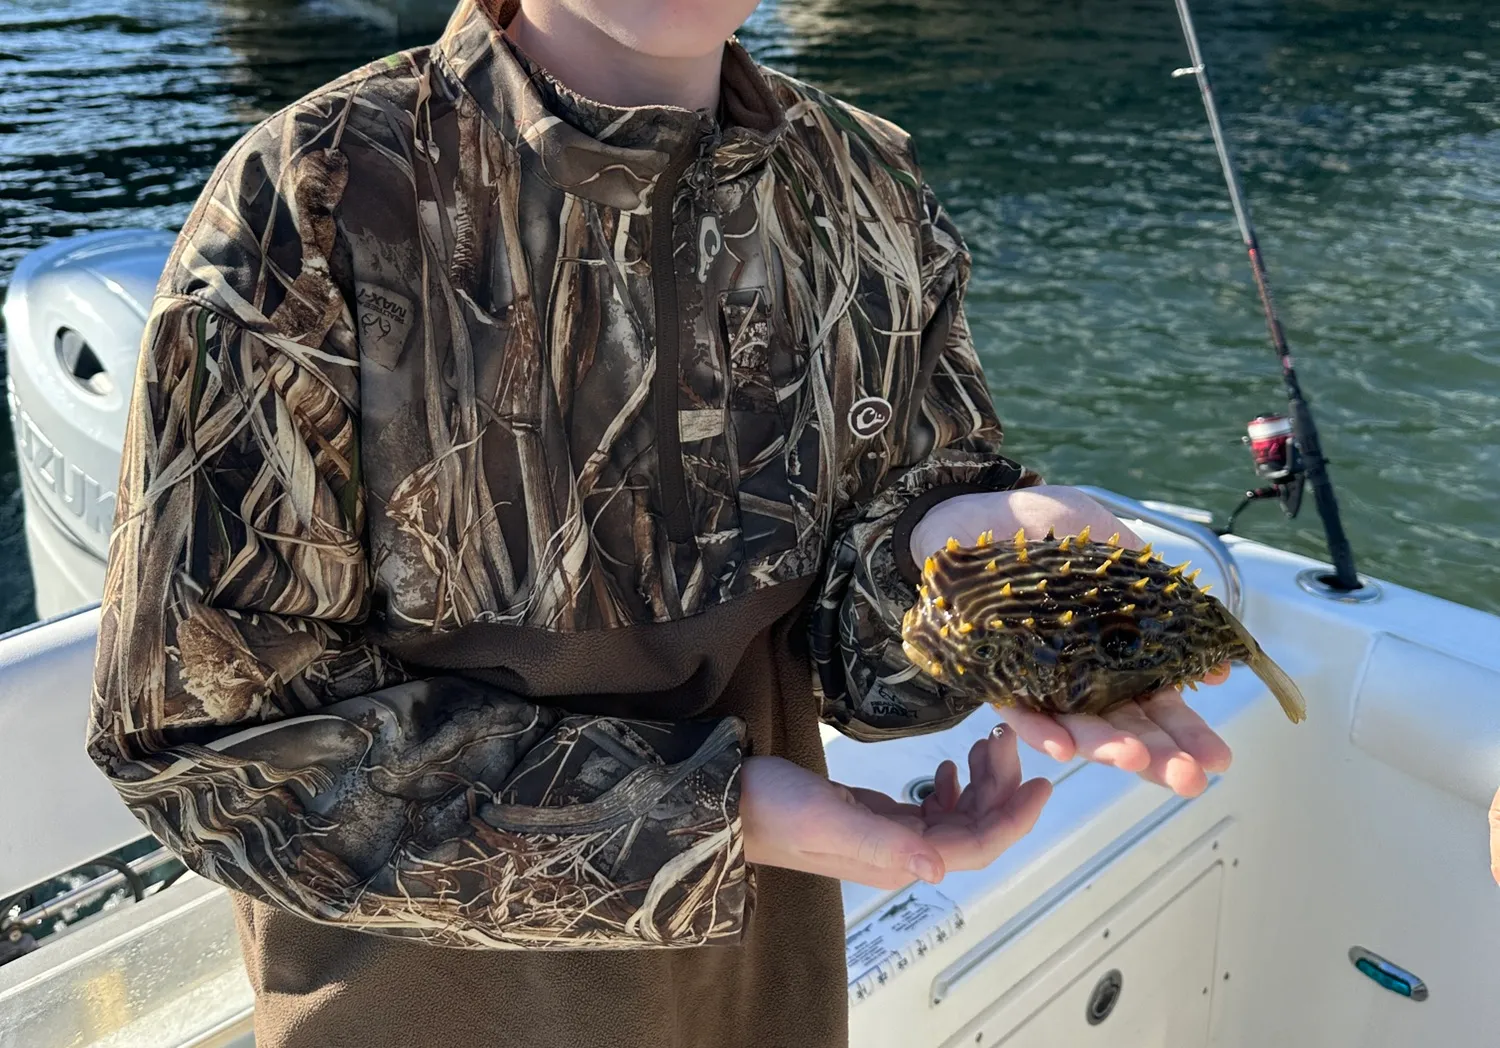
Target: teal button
[(1390, 982)]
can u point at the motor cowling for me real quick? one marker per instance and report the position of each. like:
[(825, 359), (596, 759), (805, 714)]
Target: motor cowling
[(75, 312)]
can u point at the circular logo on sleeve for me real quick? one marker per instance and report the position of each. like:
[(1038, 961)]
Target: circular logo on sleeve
[(869, 416)]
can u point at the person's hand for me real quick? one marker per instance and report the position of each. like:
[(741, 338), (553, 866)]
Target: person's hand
[(1159, 738), (799, 820), (1495, 838)]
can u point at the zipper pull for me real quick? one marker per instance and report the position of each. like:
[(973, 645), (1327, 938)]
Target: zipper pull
[(710, 243), (710, 237), (702, 175)]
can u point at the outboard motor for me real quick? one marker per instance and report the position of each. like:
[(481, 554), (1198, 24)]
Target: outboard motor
[(74, 316)]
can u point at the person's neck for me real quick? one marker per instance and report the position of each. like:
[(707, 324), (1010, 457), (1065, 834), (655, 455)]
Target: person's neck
[(602, 69)]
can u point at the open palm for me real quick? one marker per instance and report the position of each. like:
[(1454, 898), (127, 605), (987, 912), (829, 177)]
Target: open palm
[(1160, 738), (800, 820)]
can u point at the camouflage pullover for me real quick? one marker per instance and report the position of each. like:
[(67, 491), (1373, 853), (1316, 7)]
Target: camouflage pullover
[(467, 403)]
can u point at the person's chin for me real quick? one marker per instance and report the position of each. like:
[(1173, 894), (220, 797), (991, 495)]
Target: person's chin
[(672, 29)]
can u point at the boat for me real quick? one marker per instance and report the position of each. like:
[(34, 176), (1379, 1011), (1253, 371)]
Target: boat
[(1329, 890)]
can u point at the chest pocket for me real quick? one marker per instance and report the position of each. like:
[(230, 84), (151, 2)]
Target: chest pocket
[(745, 327), (773, 441)]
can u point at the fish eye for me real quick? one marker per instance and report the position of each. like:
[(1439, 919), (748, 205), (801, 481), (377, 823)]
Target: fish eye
[(986, 651)]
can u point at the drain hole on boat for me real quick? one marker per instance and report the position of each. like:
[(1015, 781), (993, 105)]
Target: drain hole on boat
[(1104, 998), (919, 790)]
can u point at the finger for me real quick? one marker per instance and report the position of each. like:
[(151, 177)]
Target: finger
[(844, 869), (945, 790), (1189, 729), (975, 846), (1495, 838), (951, 786), (1218, 675), (861, 836), (1040, 731), (1101, 739), (1018, 815), (1004, 763), (997, 771), (968, 802), (1169, 764)]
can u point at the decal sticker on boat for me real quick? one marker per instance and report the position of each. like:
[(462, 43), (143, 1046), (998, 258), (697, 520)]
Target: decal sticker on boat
[(899, 935)]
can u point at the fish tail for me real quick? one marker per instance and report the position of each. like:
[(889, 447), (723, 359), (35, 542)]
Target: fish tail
[(1281, 685), (1273, 676)]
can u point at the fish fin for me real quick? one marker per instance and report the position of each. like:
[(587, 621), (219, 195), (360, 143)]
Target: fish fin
[(1273, 676)]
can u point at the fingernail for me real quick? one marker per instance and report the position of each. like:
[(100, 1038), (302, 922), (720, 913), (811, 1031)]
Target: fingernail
[(1054, 750), (924, 868)]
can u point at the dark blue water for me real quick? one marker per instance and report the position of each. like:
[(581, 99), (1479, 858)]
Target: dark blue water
[(1110, 298)]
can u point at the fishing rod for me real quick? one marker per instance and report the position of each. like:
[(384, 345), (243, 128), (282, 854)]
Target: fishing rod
[(1285, 451)]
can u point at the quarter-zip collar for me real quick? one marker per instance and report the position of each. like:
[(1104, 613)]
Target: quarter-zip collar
[(610, 154)]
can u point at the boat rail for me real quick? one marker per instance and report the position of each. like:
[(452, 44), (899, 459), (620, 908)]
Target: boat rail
[(1159, 515), (91, 890)]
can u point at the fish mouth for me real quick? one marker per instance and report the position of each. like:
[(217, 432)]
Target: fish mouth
[(918, 657)]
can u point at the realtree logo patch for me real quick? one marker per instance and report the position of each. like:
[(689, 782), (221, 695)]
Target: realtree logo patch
[(869, 416)]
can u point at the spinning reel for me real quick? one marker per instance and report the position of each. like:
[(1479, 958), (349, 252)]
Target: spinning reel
[(1278, 463)]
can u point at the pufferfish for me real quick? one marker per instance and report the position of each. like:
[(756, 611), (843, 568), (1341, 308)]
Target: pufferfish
[(1073, 626)]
